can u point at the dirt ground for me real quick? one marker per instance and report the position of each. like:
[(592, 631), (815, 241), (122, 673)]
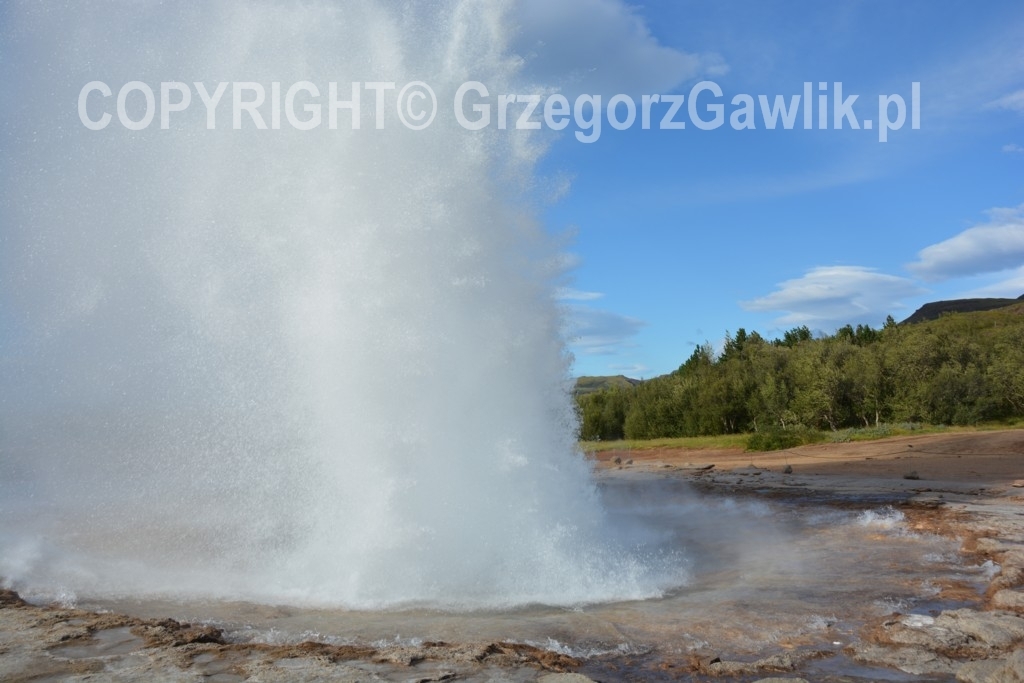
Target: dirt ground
[(989, 458)]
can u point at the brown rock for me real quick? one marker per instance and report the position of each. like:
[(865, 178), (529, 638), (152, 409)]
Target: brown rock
[(1006, 670), (9, 598), (1009, 599)]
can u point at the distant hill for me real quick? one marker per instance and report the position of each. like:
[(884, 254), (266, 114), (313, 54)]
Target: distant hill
[(588, 385), (937, 308)]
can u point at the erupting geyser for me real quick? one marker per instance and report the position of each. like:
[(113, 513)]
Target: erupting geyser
[(311, 366)]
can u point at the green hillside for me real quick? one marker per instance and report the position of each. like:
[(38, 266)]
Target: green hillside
[(959, 369)]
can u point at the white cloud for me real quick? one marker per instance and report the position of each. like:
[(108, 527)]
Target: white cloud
[(987, 248), (601, 47), (1012, 147), (830, 296), (1014, 102), (1011, 287), (596, 332), (569, 294)]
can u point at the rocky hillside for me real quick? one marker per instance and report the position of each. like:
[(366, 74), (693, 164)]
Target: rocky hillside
[(937, 308)]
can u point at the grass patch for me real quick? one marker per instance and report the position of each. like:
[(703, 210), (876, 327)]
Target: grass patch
[(697, 443), (781, 439), (910, 428)]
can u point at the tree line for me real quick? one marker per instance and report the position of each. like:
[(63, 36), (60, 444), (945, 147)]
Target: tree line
[(959, 369)]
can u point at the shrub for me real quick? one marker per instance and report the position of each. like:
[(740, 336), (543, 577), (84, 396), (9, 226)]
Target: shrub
[(778, 439)]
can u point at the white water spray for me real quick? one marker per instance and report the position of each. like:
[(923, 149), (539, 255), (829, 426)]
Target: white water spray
[(321, 367)]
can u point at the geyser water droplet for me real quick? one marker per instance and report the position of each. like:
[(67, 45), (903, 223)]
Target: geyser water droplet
[(320, 367)]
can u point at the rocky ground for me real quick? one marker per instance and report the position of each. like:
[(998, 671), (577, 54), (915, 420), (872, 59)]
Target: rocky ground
[(52, 643), (958, 485), (967, 486)]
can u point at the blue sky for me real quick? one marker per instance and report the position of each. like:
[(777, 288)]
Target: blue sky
[(682, 235), (677, 236)]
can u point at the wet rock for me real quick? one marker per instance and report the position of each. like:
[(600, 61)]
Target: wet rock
[(443, 676), (996, 630), (292, 671), (170, 633), (506, 654), (9, 598), (993, 546), (1009, 577), (402, 656), (617, 460), (690, 467), (911, 475), (956, 633), (786, 661), (564, 678), (702, 659), (1006, 670), (916, 661), (788, 469), (630, 461), (928, 500)]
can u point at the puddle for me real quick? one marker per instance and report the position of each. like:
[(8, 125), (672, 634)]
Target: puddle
[(218, 667), (110, 641)]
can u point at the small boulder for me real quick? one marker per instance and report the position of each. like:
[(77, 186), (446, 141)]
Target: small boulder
[(957, 633), (1009, 599), (917, 661), (9, 598), (1005, 670)]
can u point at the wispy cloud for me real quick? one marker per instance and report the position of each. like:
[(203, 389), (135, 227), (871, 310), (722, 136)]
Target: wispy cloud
[(594, 331), (1014, 102), (1013, 148), (601, 47), (783, 184), (569, 294), (981, 77), (987, 248), (829, 296), (1010, 287)]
